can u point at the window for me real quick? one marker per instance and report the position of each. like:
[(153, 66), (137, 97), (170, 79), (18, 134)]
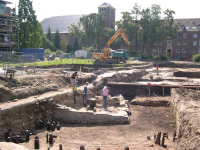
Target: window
[(145, 49), (183, 27), (194, 43), (103, 10), (160, 50), (195, 35), (140, 43), (133, 43), (178, 35), (160, 43), (178, 42), (194, 50), (199, 50), (112, 13), (184, 35), (187, 28), (184, 42), (169, 42), (139, 50), (177, 50), (184, 51), (193, 27), (198, 27), (155, 43)]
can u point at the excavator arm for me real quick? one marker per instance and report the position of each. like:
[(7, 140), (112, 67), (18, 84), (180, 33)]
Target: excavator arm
[(114, 37)]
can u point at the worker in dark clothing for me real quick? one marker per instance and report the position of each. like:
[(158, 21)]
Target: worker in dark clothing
[(74, 79), (86, 90)]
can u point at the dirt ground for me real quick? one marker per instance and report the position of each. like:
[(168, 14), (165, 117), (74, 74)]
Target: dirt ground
[(144, 121)]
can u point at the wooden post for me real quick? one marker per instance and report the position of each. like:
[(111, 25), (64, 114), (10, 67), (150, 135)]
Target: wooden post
[(36, 144), (149, 91), (60, 146), (82, 147), (158, 138), (163, 91)]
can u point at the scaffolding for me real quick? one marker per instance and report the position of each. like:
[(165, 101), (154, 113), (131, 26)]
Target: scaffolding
[(8, 28)]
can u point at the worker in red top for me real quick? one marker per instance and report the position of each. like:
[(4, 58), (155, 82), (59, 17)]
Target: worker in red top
[(157, 68)]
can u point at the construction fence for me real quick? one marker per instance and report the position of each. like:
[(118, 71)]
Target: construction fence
[(17, 61)]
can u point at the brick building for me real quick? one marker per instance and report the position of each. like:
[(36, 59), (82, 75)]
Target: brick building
[(186, 44)]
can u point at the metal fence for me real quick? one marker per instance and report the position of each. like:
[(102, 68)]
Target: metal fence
[(17, 61)]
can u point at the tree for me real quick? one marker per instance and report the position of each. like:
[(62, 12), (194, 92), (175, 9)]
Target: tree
[(57, 39), (29, 27), (63, 43), (75, 45), (49, 33), (107, 34), (93, 25), (46, 44), (69, 48), (76, 32)]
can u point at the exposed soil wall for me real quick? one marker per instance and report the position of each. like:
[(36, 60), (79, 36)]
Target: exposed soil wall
[(187, 74), (131, 91), (178, 65), (186, 105), (25, 116)]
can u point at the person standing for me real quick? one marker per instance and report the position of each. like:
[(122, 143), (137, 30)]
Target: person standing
[(86, 90), (74, 79), (105, 93)]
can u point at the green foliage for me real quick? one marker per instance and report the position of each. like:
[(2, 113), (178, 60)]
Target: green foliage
[(84, 48), (47, 51), (145, 56), (59, 52), (75, 45), (29, 27), (163, 57), (76, 32), (93, 25), (49, 33), (196, 58), (63, 43), (47, 44), (156, 57), (69, 48), (57, 39)]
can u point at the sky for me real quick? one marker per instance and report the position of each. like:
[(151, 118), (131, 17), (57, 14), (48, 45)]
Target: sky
[(49, 8)]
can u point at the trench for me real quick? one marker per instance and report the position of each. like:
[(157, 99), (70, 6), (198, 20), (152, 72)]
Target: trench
[(151, 113)]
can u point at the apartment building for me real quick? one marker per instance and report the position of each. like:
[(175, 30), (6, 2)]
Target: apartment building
[(8, 28), (184, 46)]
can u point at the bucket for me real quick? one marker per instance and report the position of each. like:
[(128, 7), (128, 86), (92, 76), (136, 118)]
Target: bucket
[(75, 87)]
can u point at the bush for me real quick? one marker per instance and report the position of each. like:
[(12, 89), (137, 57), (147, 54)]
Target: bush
[(156, 57), (145, 56), (59, 52), (163, 57), (196, 58)]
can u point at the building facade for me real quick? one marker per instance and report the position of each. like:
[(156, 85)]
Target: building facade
[(8, 28), (184, 46)]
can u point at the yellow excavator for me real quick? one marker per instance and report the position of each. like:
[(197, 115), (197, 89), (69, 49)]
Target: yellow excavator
[(116, 55)]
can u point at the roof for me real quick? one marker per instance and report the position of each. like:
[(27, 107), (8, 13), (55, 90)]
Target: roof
[(106, 5), (4, 2), (189, 23), (60, 22)]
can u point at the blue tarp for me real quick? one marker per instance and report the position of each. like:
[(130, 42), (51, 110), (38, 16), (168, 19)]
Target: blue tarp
[(38, 52)]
